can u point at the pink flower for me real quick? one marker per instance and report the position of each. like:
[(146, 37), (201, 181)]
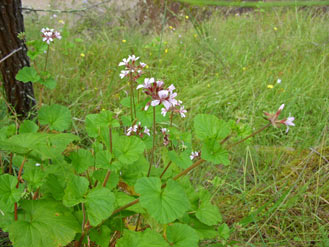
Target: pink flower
[(182, 111), (289, 122)]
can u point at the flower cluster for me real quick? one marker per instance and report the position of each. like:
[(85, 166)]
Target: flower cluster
[(131, 67), (165, 132), (195, 154), (274, 118), (49, 35), (137, 129), (160, 95)]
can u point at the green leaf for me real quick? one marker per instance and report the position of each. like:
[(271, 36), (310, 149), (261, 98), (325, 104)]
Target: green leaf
[(99, 204), (209, 126), (23, 143), (213, 152), (34, 176), (43, 223), (96, 122), (182, 160), (164, 206), (28, 126), (55, 186), (49, 82), (76, 187), (113, 179), (7, 132), (129, 239), (180, 235), (123, 199), (27, 74), (224, 231), (9, 194), (131, 172), (103, 159), (81, 160), (208, 214), (101, 236), (128, 149), (204, 231), (56, 116), (147, 238)]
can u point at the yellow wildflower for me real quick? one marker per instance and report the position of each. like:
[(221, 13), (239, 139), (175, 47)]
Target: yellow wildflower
[(270, 86), (61, 22), (82, 55), (275, 28), (166, 50), (124, 41), (186, 17)]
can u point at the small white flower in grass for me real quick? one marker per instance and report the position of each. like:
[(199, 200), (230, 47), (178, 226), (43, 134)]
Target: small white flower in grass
[(278, 81), (171, 88), (37, 164), (146, 131), (124, 73), (133, 58), (182, 112), (163, 95), (289, 122), (124, 62), (142, 64), (48, 35)]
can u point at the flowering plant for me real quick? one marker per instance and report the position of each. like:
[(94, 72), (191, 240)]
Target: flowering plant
[(129, 187)]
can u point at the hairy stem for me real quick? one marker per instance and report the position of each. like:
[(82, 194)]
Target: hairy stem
[(164, 171), (44, 69), (251, 135), (153, 148), (109, 171), (17, 185)]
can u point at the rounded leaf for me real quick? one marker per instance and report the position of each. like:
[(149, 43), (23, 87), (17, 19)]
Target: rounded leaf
[(57, 117)]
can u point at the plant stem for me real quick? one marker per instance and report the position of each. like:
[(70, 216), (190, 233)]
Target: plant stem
[(44, 69), (251, 135), (17, 185), (84, 217), (11, 163), (109, 171), (171, 117), (153, 148), (164, 171)]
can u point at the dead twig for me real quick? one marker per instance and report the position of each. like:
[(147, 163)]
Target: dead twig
[(10, 54)]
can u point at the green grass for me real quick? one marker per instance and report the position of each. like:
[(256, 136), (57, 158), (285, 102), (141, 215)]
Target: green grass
[(224, 66)]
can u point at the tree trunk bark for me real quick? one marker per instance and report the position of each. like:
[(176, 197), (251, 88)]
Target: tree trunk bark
[(18, 94)]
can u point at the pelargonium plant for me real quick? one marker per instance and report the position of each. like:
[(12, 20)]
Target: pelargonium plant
[(129, 187)]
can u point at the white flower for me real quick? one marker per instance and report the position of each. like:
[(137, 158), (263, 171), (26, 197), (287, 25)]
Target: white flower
[(281, 107), (194, 155), (142, 64), (159, 83), (133, 58), (57, 35), (164, 130), (164, 111), (182, 112), (146, 131), (124, 62), (171, 88), (124, 73), (163, 94), (147, 83), (172, 99), (289, 122), (278, 81), (37, 164)]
